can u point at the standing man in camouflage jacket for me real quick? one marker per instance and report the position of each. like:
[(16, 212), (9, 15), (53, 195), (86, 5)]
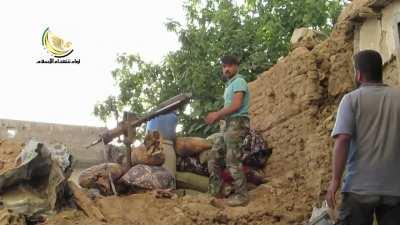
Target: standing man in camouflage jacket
[(228, 151)]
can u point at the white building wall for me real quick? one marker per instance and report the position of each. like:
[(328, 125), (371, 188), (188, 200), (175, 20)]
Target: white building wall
[(382, 35)]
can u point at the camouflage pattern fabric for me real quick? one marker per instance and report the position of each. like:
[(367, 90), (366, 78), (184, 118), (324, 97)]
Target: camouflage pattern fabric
[(256, 152), (228, 150), (149, 177), (255, 149), (191, 164)]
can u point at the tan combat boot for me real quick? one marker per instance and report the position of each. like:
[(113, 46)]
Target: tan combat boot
[(237, 200)]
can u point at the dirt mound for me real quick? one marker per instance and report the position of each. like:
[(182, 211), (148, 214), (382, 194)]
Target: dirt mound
[(145, 209), (71, 217), (9, 150)]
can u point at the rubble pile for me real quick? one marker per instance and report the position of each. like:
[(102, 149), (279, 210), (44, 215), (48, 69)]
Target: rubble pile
[(9, 151), (34, 185)]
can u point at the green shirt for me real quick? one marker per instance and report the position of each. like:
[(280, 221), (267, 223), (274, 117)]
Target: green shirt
[(237, 84)]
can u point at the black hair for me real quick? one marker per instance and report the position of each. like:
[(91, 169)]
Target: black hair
[(230, 59), (369, 64)]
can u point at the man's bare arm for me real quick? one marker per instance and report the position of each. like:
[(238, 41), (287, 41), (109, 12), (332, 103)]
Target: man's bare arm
[(340, 153), (234, 107)]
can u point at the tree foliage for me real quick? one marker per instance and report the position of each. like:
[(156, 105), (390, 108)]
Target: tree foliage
[(257, 31)]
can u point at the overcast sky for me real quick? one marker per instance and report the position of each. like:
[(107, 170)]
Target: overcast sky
[(98, 31)]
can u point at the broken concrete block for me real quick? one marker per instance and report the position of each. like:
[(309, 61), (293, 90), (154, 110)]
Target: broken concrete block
[(306, 37)]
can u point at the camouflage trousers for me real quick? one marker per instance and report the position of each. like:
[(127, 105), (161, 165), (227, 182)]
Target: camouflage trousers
[(227, 152)]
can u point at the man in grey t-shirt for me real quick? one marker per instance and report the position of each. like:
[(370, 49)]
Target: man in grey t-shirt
[(367, 144)]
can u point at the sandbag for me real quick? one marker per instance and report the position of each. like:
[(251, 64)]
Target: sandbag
[(194, 165), (191, 181), (149, 177), (191, 164), (98, 177), (140, 155), (153, 142), (188, 146), (255, 150), (150, 152), (170, 157)]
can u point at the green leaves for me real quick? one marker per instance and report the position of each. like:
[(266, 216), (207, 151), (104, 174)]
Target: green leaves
[(257, 31)]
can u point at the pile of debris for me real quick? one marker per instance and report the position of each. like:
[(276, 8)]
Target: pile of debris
[(33, 181), (119, 176)]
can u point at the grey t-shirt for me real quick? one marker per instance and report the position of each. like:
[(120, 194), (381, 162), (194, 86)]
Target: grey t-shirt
[(371, 115)]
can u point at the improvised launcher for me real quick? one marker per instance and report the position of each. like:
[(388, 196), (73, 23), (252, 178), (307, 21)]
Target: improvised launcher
[(130, 121)]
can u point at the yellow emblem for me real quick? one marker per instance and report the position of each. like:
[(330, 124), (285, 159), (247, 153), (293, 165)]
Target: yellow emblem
[(56, 45)]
